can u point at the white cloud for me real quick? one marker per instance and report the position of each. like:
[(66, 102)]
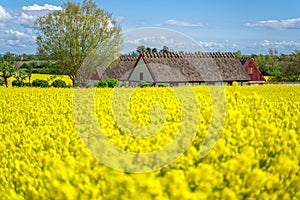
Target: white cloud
[(174, 43), (210, 44), (4, 17), (277, 24), (267, 43), (229, 46), (180, 23), (14, 42), (36, 7), (26, 18), (15, 33), (142, 41), (250, 47), (18, 35)]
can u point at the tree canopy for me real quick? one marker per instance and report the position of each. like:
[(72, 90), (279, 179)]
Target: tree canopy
[(280, 67), (79, 35), (6, 70)]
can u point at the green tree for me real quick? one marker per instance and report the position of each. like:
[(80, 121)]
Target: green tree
[(271, 52), (165, 49), (6, 70), (79, 36), (291, 69), (238, 54), (9, 56), (20, 74), (29, 73), (148, 49), (154, 50), (141, 49)]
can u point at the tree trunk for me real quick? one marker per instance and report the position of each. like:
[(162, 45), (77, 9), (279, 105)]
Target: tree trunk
[(6, 81)]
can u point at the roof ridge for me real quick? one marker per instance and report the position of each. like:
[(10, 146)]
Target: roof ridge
[(199, 54)]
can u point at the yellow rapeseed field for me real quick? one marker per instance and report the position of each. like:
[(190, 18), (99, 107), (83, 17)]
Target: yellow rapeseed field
[(43, 152)]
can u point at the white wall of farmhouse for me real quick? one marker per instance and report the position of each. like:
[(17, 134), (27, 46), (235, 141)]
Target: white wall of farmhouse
[(141, 73)]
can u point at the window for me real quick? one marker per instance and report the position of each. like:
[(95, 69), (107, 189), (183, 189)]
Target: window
[(250, 70), (141, 76)]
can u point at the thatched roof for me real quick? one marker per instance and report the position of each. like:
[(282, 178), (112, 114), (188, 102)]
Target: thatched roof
[(125, 65), (244, 60), (183, 67)]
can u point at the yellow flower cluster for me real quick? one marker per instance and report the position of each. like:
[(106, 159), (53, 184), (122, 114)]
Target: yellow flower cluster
[(256, 156)]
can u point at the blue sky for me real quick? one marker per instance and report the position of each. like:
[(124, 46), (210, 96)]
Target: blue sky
[(215, 25)]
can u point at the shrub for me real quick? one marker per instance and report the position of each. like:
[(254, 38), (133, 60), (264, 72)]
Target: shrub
[(40, 83), (24, 66), (102, 84), (144, 84), (59, 84), (111, 83), (17, 83), (162, 85), (1, 82)]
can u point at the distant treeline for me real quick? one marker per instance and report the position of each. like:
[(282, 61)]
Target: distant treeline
[(40, 67), (280, 67), (32, 63)]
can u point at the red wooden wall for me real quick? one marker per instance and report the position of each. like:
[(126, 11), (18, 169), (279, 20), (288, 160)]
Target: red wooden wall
[(253, 71)]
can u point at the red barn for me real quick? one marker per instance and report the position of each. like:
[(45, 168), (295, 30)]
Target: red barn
[(253, 71)]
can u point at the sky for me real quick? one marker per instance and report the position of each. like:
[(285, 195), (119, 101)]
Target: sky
[(253, 27)]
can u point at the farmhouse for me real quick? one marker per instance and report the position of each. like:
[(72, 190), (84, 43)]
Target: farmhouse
[(176, 69), (253, 71)]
